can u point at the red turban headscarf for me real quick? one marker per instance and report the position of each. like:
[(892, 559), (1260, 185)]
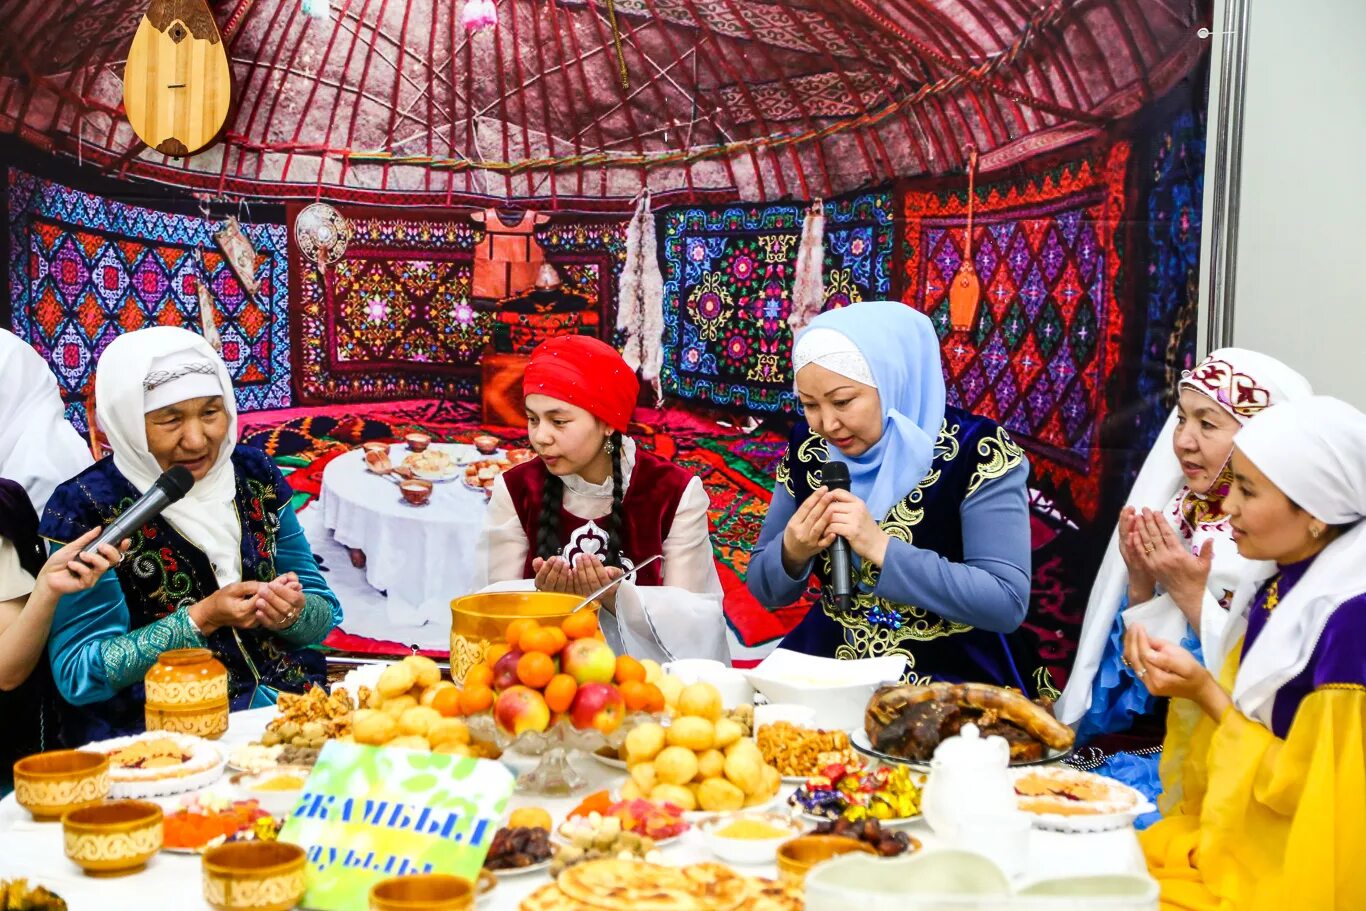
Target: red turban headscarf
[(586, 372)]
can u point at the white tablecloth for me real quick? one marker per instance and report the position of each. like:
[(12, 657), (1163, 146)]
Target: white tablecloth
[(172, 881), (421, 556)]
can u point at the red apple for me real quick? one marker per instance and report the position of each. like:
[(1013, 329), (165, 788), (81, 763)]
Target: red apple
[(598, 705), (505, 670), (589, 661), (519, 709)]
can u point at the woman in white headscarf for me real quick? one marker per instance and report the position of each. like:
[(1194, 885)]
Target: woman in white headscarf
[(936, 513), (38, 446), (226, 568), (1264, 800), (1172, 564)]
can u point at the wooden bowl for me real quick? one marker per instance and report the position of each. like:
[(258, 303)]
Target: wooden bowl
[(113, 839), (427, 892), (798, 856), (417, 492), (254, 876), (51, 784)]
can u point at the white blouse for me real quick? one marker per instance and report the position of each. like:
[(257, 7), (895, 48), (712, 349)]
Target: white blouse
[(680, 619), (15, 582)]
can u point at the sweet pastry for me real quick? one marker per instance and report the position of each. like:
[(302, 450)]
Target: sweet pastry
[(1060, 791), (629, 885), (910, 721), (159, 763), (617, 885)]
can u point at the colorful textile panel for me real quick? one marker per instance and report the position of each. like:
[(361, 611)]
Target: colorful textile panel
[(728, 274), (394, 319), (84, 269), (1047, 332), (519, 333)]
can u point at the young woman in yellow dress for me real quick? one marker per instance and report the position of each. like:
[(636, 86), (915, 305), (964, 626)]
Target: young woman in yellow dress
[(1264, 765)]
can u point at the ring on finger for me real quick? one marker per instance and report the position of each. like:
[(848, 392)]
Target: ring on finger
[(1141, 672)]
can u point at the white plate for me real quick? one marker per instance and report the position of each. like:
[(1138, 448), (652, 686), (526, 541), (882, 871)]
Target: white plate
[(1098, 822), (697, 816), (858, 739), (521, 871)]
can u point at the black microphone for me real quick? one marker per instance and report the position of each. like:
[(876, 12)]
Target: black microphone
[(835, 476), (173, 484)]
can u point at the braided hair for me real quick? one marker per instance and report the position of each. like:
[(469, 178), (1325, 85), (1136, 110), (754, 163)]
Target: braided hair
[(616, 519), (548, 531)]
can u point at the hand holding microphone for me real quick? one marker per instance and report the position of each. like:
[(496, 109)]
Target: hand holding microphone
[(832, 512)]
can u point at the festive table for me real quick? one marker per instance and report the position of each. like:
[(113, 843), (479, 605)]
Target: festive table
[(420, 556), (172, 881)]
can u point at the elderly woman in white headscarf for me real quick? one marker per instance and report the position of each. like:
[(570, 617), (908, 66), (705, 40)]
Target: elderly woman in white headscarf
[(936, 513), (1172, 564), (39, 448), (1264, 800), (226, 568)]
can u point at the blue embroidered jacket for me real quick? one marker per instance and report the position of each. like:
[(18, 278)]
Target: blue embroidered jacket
[(970, 451), (104, 640)]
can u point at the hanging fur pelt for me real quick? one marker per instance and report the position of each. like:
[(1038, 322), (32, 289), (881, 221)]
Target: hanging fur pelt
[(640, 306), (808, 290)]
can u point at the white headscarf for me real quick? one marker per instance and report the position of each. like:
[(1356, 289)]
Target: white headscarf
[(31, 410), (1314, 450), (1241, 382), (207, 516), (892, 347)]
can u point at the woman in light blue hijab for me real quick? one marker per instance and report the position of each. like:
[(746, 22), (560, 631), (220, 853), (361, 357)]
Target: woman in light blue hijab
[(936, 515)]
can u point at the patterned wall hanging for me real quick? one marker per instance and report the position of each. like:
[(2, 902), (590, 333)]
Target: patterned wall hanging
[(395, 318), (83, 269), (728, 275), (1047, 333)]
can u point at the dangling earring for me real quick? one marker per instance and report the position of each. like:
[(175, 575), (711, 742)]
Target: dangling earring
[(609, 447), (1315, 532)]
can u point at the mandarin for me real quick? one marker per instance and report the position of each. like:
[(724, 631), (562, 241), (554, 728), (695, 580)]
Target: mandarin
[(535, 669), (580, 625), (475, 699), (629, 668), (516, 630), (496, 651), (655, 701), (447, 701), (543, 639), (561, 638), (479, 675), (636, 695), (559, 692)]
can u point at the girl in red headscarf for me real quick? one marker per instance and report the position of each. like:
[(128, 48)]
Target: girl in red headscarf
[(594, 506)]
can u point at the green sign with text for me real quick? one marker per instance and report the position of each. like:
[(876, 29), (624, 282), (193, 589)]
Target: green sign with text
[(369, 813)]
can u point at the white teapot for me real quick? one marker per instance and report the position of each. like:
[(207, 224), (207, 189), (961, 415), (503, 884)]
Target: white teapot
[(969, 779)]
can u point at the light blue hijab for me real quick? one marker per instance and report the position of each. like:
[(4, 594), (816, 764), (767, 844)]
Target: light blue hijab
[(901, 351)]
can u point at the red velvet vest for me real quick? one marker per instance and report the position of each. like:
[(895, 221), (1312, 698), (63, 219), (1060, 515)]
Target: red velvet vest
[(651, 500)]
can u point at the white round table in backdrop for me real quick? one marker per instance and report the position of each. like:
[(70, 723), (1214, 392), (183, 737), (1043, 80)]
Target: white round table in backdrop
[(420, 556), (172, 881)]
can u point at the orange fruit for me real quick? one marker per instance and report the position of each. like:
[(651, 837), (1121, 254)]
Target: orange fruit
[(655, 699), (559, 692), (580, 625), (629, 668), (545, 640), (536, 669), (475, 699), (561, 639), (636, 693), (479, 675), (516, 630), (447, 701), (495, 652)]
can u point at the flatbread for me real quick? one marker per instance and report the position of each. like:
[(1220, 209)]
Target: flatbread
[(767, 895), (629, 885), (550, 898)]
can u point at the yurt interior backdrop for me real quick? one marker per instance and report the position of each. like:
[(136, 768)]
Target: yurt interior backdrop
[(677, 162)]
